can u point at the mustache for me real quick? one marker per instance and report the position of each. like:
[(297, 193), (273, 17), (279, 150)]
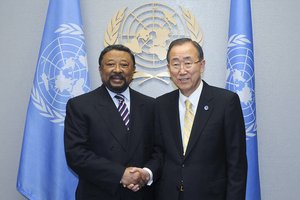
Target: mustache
[(117, 75)]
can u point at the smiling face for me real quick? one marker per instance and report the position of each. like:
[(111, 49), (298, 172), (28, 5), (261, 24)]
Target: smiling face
[(185, 67), (116, 70)]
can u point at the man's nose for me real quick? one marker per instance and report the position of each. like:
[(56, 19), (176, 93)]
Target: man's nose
[(182, 69), (117, 68)]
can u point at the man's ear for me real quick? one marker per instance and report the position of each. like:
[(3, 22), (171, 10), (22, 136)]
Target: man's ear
[(168, 65), (202, 66)]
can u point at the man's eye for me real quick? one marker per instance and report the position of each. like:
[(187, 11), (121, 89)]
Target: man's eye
[(124, 65), (110, 64)]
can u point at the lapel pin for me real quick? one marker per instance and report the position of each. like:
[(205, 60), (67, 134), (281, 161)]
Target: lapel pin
[(206, 108)]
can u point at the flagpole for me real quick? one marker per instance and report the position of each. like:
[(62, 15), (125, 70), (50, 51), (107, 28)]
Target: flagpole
[(61, 73), (241, 79)]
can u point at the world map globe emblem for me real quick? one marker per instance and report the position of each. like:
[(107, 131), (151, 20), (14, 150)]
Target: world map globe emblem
[(148, 30), (61, 74), (240, 79)]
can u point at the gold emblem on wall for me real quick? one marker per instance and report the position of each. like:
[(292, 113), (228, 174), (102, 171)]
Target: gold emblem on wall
[(148, 31)]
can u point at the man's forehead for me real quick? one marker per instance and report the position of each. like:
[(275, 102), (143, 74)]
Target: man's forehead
[(119, 55), (181, 57), (117, 59)]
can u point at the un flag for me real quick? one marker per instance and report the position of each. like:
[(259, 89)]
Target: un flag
[(61, 73), (241, 79)]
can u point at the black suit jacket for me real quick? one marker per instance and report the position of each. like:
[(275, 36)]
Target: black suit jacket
[(99, 148), (215, 164)]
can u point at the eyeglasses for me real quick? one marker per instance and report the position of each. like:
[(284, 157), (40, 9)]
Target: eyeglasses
[(187, 64)]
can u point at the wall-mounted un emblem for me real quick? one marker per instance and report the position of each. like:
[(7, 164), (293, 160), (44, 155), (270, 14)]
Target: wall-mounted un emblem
[(148, 31)]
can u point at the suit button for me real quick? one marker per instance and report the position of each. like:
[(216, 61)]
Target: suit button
[(182, 165), (181, 189)]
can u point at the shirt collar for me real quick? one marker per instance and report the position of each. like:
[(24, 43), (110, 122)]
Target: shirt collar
[(194, 97), (126, 94)]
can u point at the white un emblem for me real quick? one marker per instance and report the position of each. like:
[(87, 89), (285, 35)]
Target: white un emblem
[(61, 73), (240, 78), (147, 31)]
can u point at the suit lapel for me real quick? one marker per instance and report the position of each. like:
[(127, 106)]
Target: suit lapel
[(204, 110), (173, 116), (111, 117), (136, 122)]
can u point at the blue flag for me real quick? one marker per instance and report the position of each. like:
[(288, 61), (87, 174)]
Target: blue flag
[(61, 73), (240, 79)]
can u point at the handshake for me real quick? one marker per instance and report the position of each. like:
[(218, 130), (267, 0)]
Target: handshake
[(135, 178)]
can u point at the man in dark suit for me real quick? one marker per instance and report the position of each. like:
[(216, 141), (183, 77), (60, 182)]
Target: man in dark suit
[(109, 134), (203, 133)]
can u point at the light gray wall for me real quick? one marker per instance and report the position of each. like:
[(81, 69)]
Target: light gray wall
[(276, 29)]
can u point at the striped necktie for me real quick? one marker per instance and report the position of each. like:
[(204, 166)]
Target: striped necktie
[(123, 110), (188, 124)]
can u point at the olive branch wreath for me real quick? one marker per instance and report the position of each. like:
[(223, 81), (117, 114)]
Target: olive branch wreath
[(233, 41), (111, 37), (236, 39), (38, 101)]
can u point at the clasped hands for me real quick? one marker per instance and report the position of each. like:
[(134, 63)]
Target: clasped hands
[(135, 178)]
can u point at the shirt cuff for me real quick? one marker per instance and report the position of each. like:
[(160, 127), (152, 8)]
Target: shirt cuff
[(151, 176)]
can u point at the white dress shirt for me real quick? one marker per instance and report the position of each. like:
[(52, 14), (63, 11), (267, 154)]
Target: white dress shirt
[(194, 99), (126, 95)]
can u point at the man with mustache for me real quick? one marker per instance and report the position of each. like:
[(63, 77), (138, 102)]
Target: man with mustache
[(109, 134)]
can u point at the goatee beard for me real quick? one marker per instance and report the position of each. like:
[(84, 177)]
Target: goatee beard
[(115, 89)]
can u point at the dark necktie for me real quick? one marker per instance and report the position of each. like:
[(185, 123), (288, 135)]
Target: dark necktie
[(123, 110)]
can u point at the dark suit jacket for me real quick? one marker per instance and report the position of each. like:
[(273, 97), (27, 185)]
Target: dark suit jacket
[(99, 148), (215, 164)]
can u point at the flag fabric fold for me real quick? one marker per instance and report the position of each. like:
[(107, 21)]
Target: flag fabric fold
[(61, 73), (240, 79)]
